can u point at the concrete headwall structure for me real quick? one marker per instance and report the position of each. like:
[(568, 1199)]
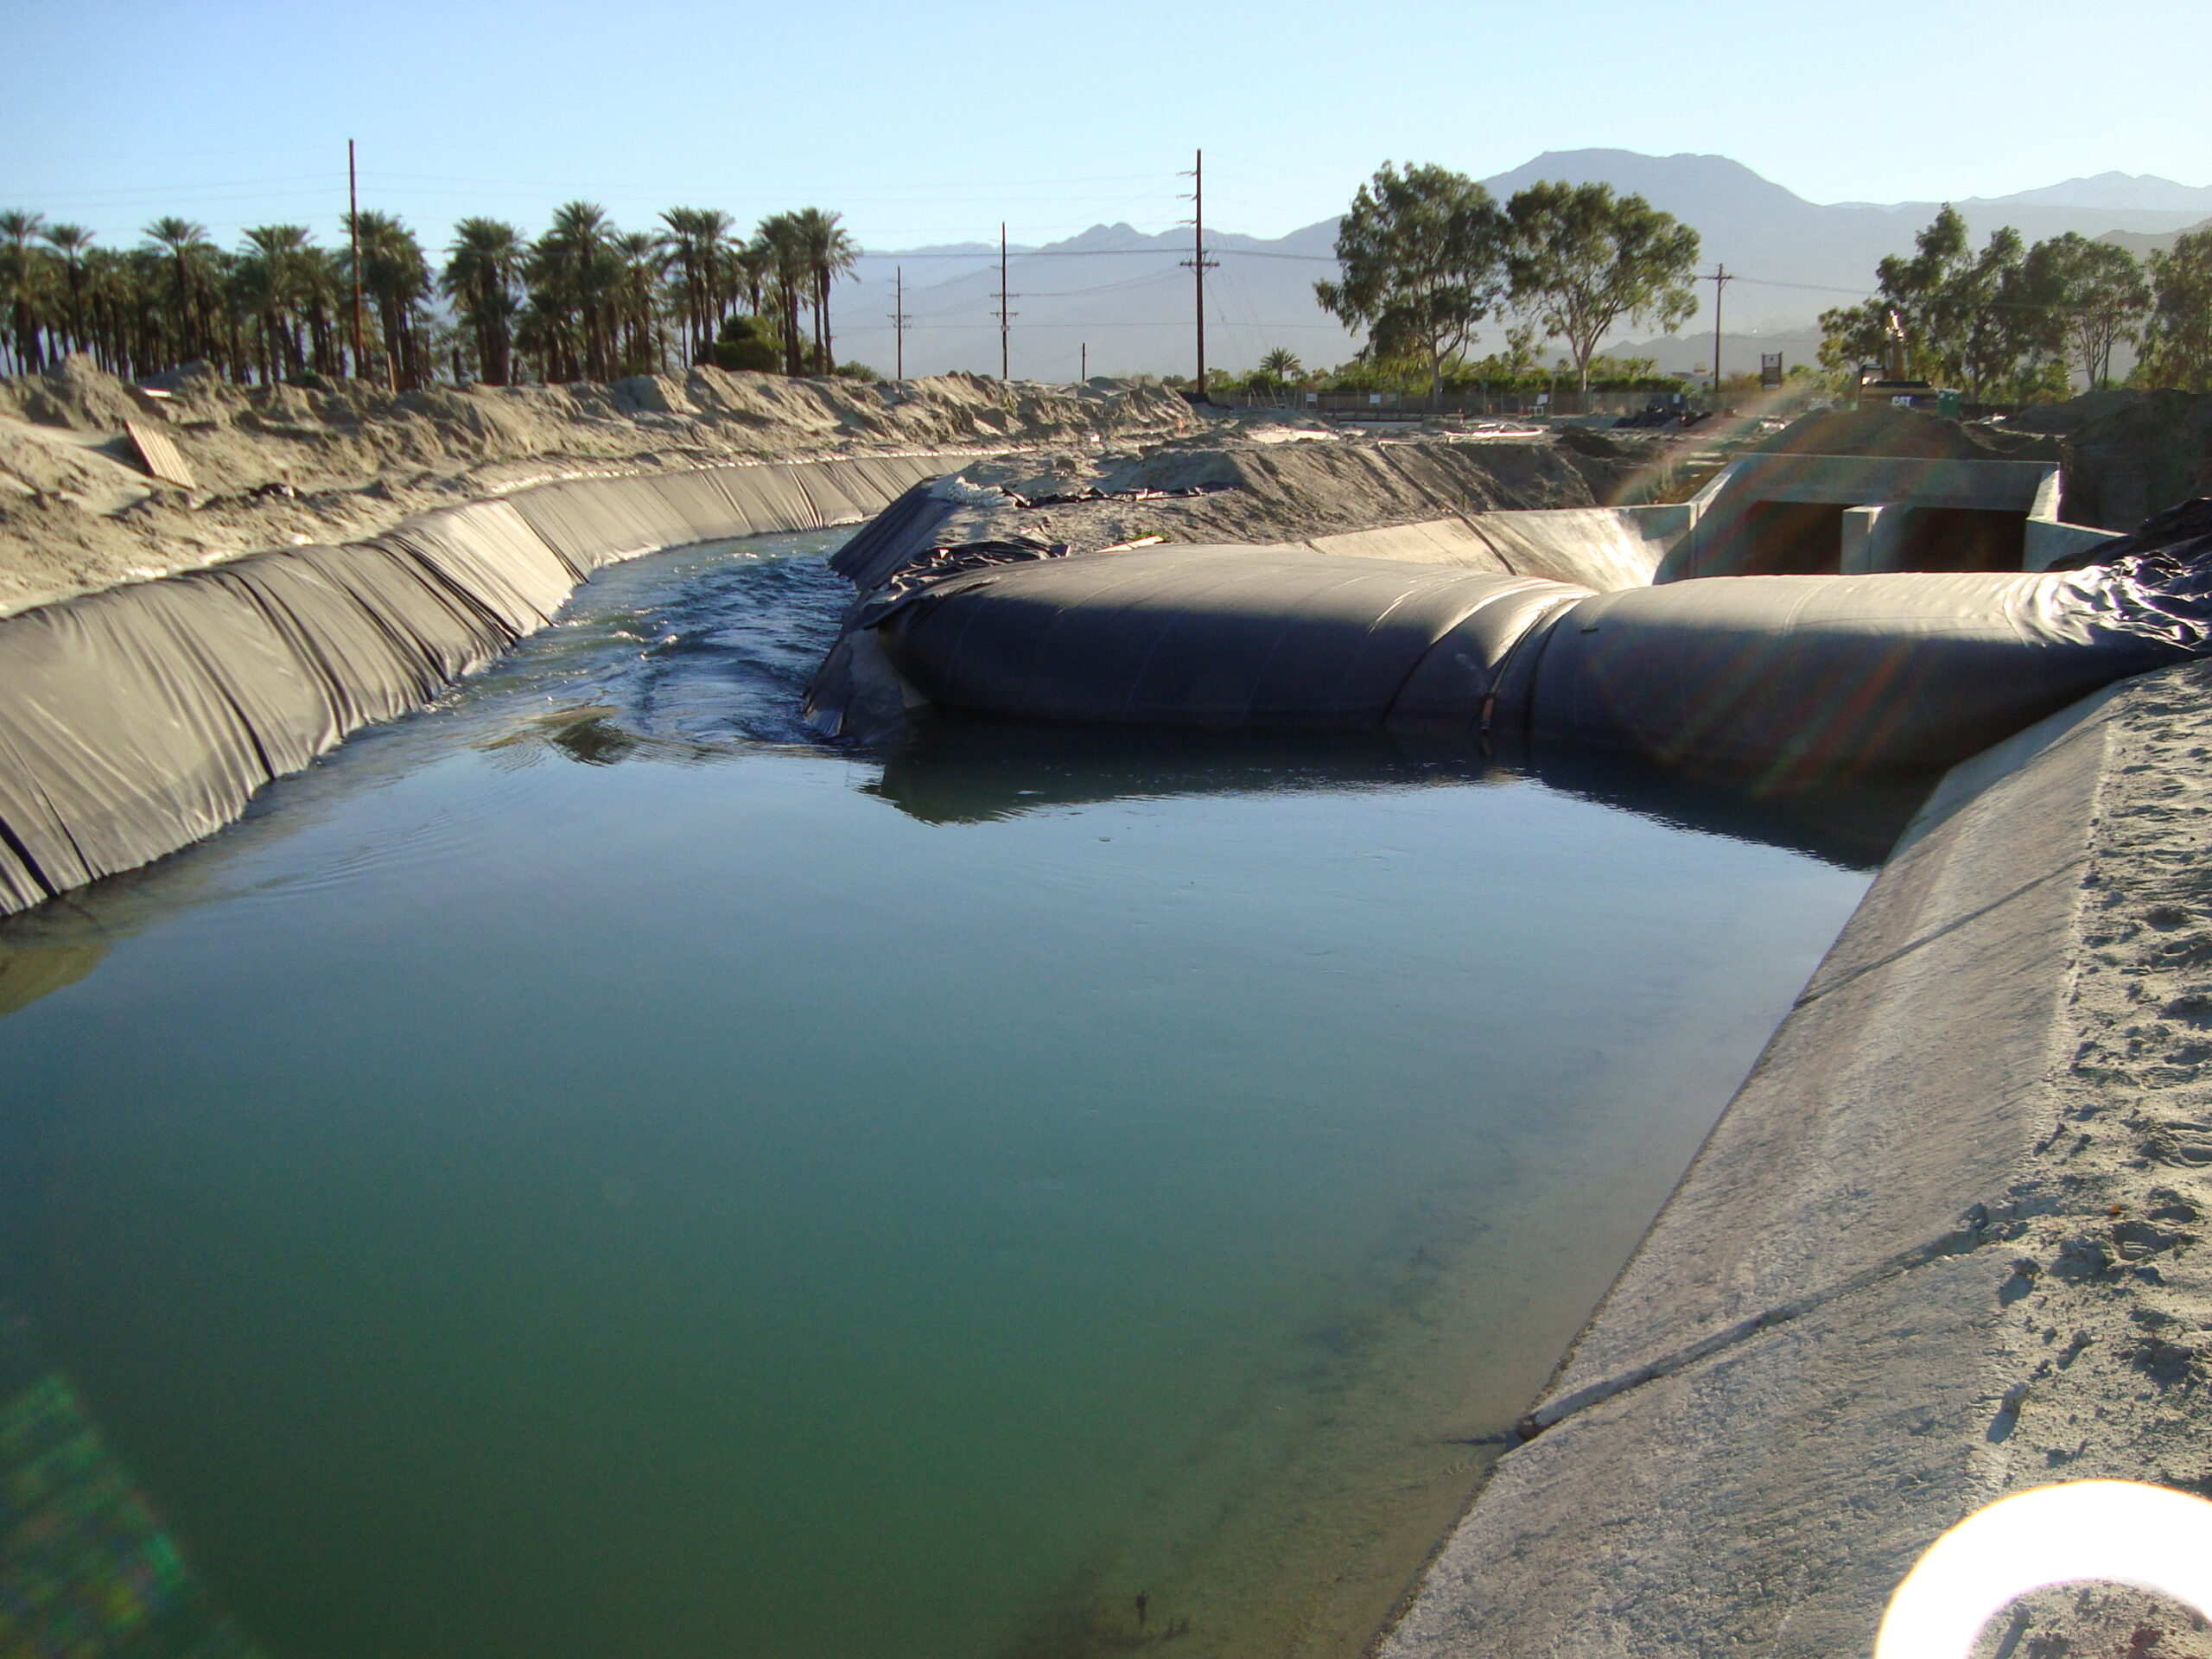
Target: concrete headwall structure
[(1864, 515), (1769, 515), (1935, 1250)]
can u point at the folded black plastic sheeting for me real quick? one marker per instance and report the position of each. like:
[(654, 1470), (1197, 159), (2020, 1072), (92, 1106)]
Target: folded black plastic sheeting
[(892, 538), (136, 720)]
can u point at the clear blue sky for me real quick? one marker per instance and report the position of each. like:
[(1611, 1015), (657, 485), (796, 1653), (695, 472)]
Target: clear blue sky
[(926, 123)]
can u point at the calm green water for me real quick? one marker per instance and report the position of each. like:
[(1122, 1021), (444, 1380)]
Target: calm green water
[(582, 1173)]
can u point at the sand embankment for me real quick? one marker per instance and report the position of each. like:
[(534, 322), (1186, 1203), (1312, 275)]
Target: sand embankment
[(1941, 1247)]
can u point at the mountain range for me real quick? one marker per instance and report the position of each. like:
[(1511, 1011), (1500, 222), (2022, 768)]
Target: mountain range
[(1127, 295)]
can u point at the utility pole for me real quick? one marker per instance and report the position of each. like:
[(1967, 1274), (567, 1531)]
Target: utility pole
[(1004, 314), (1197, 262), (1085, 375), (1719, 279), (354, 232), (899, 319)]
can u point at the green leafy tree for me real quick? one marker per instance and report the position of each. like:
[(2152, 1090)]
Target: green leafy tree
[(1422, 261), (1984, 323), (1582, 260), (2177, 345), (1969, 320), (1852, 337), (744, 345), (2094, 297)]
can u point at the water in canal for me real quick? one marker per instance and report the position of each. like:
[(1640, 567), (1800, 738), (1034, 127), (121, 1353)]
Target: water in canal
[(583, 1172)]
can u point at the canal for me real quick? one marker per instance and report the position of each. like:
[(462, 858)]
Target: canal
[(585, 1170)]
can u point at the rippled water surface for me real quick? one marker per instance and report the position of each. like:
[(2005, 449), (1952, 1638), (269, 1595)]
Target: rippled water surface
[(582, 1172)]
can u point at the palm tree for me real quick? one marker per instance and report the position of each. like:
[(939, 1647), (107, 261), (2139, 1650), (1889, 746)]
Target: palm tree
[(272, 273), (637, 299), (325, 290), (752, 265), (112, 307), (483, 268), (1283, 364), (790, 277), (698, 246), (23, 279), (396, 279), (191, 323), (830, 253), (576, 279), (71, 241)]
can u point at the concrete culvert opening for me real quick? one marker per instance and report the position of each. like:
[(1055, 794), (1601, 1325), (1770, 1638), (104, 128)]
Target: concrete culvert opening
[(1791, 539), (1961, 538)]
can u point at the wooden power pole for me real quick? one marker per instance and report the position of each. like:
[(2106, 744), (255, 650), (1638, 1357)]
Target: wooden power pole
[(898, 321), (1198, 262), (1003, 314), (1719, 279), (353, 234)]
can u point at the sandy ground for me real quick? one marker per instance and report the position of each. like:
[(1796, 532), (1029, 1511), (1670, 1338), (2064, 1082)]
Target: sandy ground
[(2110, 1314), (297, 464), (1261, 487)]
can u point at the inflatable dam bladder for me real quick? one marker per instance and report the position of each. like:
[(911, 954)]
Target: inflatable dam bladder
[(1794, 676)]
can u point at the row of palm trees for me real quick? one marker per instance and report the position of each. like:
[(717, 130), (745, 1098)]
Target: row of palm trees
[(586, 301)]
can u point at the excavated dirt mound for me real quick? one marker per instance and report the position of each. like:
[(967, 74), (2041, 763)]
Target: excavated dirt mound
[(330, 461), (1906, 434), (1259, 491), (2126, 455), (2139, 456)]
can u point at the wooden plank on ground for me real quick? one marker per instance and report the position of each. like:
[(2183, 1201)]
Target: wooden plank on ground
[(158, 451)]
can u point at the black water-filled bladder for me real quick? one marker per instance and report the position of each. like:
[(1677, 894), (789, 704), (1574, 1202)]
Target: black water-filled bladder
[(1894, 672)]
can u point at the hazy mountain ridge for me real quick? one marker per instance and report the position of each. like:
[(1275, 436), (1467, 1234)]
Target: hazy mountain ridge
[(1127, 294), (2120, 190)]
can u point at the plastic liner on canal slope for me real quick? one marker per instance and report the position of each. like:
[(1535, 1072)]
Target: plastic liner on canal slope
[(136, 721)]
